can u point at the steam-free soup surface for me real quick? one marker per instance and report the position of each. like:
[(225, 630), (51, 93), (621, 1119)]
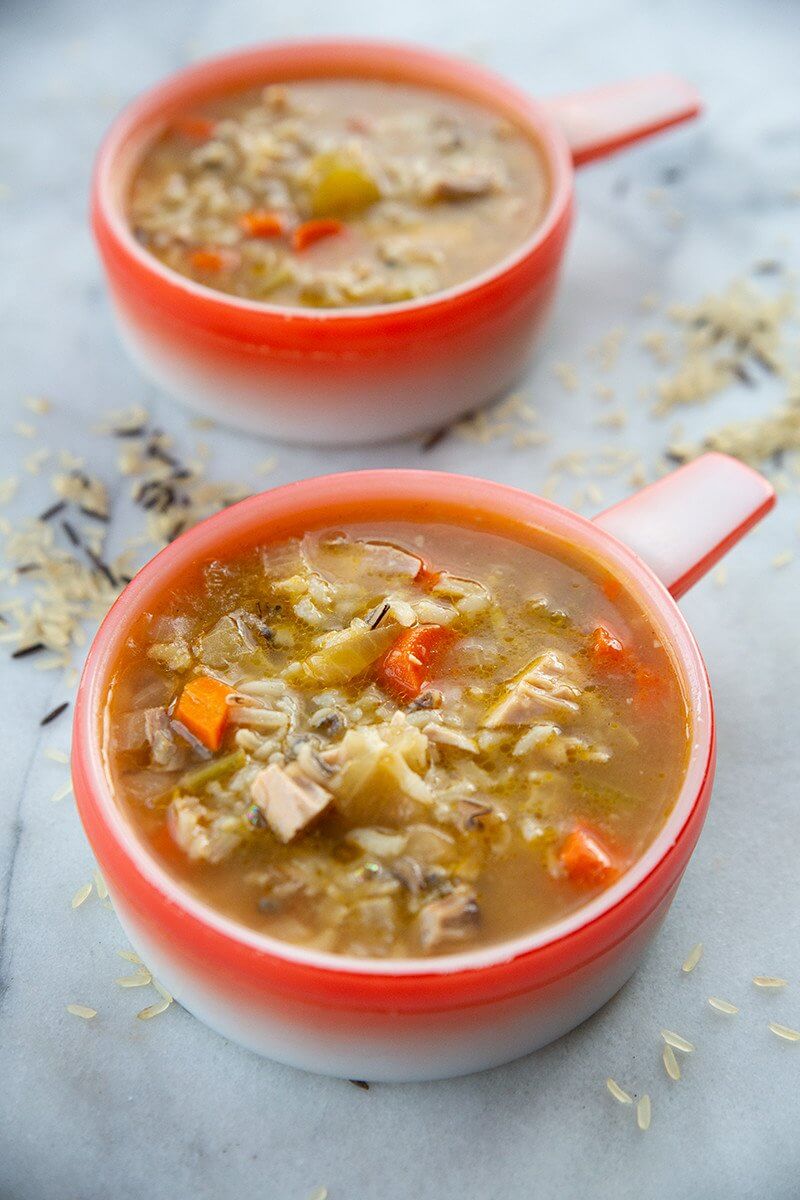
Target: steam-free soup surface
[(393, 740), (333, 193)]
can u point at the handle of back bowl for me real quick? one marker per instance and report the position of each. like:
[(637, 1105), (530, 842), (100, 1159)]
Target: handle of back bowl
[(685, 522), (601, 120)]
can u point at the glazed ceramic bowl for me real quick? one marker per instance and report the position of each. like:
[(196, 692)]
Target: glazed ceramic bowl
[(369, 373), (421, 1018)]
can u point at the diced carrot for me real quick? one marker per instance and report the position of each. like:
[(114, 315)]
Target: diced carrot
[(406, 666), (607, 653), (312, 231), (193, 126), (262, 224), (586, 860), (203, 708), (206, 260), (426, 576)]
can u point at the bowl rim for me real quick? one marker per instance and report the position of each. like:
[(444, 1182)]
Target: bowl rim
[(324, 493), (404, 59)]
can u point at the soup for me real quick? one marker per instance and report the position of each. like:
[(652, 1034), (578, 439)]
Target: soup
[(333, 193), (396, 739)]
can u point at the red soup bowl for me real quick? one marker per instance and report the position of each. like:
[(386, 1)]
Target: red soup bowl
[(367, 373), (422, 1018)]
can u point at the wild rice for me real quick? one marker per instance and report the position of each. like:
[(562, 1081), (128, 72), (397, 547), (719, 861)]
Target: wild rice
[(82, 894), (670, 1062), (783, 1031), (153, 1010), (617, 1092), (676, 1041), (769, 981), (723, 1006), (643, 1112), (692, 958)]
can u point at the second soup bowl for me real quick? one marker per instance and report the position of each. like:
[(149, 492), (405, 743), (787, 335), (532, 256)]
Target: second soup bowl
[(359, 374), (421, 1018)]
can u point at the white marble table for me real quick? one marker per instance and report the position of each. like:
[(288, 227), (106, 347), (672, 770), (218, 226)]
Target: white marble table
[(166, 1109)]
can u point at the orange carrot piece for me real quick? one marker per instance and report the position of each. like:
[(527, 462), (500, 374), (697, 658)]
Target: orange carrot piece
[(426, 576), (193, 126), (586, 860), (404, 669), (261, 223), (607, 653), (206, 260), (312, 231), (203, 708)]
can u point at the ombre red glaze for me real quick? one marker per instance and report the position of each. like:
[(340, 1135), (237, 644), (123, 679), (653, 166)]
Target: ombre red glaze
[(356, 374), (430, 1017)]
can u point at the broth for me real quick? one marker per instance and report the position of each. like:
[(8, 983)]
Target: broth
[(397, 739), (333, 193)]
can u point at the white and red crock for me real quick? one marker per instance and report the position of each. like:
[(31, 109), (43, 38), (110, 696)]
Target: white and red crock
[(421, 1018)]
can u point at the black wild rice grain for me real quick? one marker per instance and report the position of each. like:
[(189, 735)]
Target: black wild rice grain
[(55, 712), (24, 651), (52, 511)]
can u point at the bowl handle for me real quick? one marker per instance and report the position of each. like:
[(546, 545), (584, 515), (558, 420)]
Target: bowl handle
[(599, 121), (685, 522)]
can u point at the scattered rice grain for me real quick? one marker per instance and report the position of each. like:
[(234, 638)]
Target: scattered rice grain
[(770, 981), (692, 958), (153, 1010), (82, 894), (676, 1041), (783, 1031), (62, 793), (141, 978), (617, 1092), (82, 1010), (670, 1062), (643, 1112), (723, 1006)]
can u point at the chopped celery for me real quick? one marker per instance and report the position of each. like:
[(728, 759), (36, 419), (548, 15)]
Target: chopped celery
[(192, 781)]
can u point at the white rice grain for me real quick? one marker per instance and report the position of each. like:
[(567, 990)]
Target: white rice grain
[(770, 981), (153, 1010), (83, 893), (82, 1010), (783, 1031), (692, 958), (141, 979), (670, 1062), (723, 1006), (320, 1193), (100, 884), (617, 1092), (57, 756), (643, 1112), (676, 1041), (129, 956), (62, 793)]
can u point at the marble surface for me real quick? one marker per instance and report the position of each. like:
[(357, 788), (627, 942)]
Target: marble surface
[(168, 1109)]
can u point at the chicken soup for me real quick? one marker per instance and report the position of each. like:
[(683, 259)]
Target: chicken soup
[(336, 192), (396, 739)]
